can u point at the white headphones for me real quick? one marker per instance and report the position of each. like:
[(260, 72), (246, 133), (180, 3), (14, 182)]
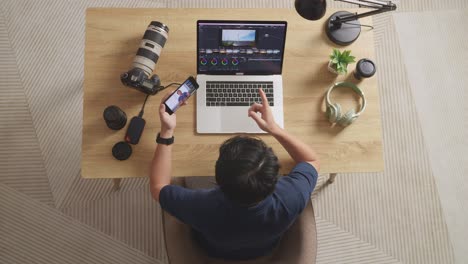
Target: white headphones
[(333, 111)]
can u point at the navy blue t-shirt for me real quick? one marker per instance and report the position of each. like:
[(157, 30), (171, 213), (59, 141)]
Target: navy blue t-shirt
[(229, 231)]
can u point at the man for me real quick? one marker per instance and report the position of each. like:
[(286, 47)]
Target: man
[(183, 96), (245, 216)]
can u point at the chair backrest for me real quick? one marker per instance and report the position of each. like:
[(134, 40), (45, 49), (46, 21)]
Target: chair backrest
[(298, 245)]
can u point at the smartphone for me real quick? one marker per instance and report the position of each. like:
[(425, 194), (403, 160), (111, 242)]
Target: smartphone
[(179, 96)]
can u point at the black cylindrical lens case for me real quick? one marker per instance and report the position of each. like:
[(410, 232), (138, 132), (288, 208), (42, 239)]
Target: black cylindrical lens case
[(122, 150), (115, 118), (365, 68)]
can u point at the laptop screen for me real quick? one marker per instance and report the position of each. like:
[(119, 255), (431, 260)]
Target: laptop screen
[(240, 47)]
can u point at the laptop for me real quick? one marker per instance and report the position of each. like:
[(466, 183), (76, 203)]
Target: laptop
[(234, 60)]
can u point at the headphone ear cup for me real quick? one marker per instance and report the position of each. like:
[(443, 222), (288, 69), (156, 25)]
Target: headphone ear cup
[(330, 113), (337, 113), (333, 112), (347, 119)]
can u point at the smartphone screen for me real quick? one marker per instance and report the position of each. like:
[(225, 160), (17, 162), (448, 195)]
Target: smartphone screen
[(180, 95)]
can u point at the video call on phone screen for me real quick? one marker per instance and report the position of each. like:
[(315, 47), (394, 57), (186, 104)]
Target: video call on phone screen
[(179, 97)]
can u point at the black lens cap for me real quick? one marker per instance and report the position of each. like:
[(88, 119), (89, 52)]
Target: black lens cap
[(122, 150)]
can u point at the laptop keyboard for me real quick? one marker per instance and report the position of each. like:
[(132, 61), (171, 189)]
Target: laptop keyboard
[(237, 93)]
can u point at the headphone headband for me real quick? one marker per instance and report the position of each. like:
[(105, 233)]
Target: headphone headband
[(354, 88)]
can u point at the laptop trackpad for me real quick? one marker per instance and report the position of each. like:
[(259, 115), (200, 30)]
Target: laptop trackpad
[(236, 119)]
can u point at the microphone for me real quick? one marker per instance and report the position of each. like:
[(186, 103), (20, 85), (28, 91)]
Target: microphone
[(311, 9), (342, 27)]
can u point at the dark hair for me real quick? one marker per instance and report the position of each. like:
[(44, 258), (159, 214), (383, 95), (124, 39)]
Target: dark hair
[(246, 170)]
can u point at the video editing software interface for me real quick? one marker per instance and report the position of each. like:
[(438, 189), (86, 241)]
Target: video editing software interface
[(238, 47)]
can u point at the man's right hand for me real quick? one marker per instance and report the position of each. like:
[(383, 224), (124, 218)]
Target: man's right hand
[(298, 150), (265, 119)]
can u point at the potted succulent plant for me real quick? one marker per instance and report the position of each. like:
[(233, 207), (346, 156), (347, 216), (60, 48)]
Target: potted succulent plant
[(339, 61)]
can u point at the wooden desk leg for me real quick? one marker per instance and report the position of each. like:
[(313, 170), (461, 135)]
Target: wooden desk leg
[(117, 183), (332, 178)]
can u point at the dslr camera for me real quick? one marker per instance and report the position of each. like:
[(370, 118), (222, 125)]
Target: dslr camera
[(145, 60)]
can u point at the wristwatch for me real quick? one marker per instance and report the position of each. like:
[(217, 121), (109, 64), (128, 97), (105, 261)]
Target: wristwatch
[(165, 141)]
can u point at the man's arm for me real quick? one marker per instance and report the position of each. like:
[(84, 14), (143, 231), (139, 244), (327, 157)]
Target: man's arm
[(298, 150), (161, 166)]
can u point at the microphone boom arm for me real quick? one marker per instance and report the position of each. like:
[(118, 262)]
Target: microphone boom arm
[(380, 6)]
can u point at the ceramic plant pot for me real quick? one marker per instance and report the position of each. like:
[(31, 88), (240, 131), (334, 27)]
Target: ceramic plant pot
[(332, 68)]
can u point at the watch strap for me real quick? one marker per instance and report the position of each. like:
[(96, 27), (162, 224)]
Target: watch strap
[(165, 141)]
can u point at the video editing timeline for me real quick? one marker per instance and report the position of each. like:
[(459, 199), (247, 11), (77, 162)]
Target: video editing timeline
[(240, 47)]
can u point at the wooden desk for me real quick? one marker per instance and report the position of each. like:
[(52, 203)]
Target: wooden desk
[(112, 38)]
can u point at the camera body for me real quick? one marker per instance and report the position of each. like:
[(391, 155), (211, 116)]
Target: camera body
[(138, 79), (147, 56)]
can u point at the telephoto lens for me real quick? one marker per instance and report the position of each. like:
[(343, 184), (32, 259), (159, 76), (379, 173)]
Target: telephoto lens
[(150, 47), (147, 56)]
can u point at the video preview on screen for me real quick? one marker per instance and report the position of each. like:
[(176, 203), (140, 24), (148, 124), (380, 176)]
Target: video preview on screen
[(238, 37)]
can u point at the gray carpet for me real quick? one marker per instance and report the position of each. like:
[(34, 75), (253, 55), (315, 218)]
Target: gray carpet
[(439, 91), (21, 162), (52, 76), (390, 217), (33, 232)]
